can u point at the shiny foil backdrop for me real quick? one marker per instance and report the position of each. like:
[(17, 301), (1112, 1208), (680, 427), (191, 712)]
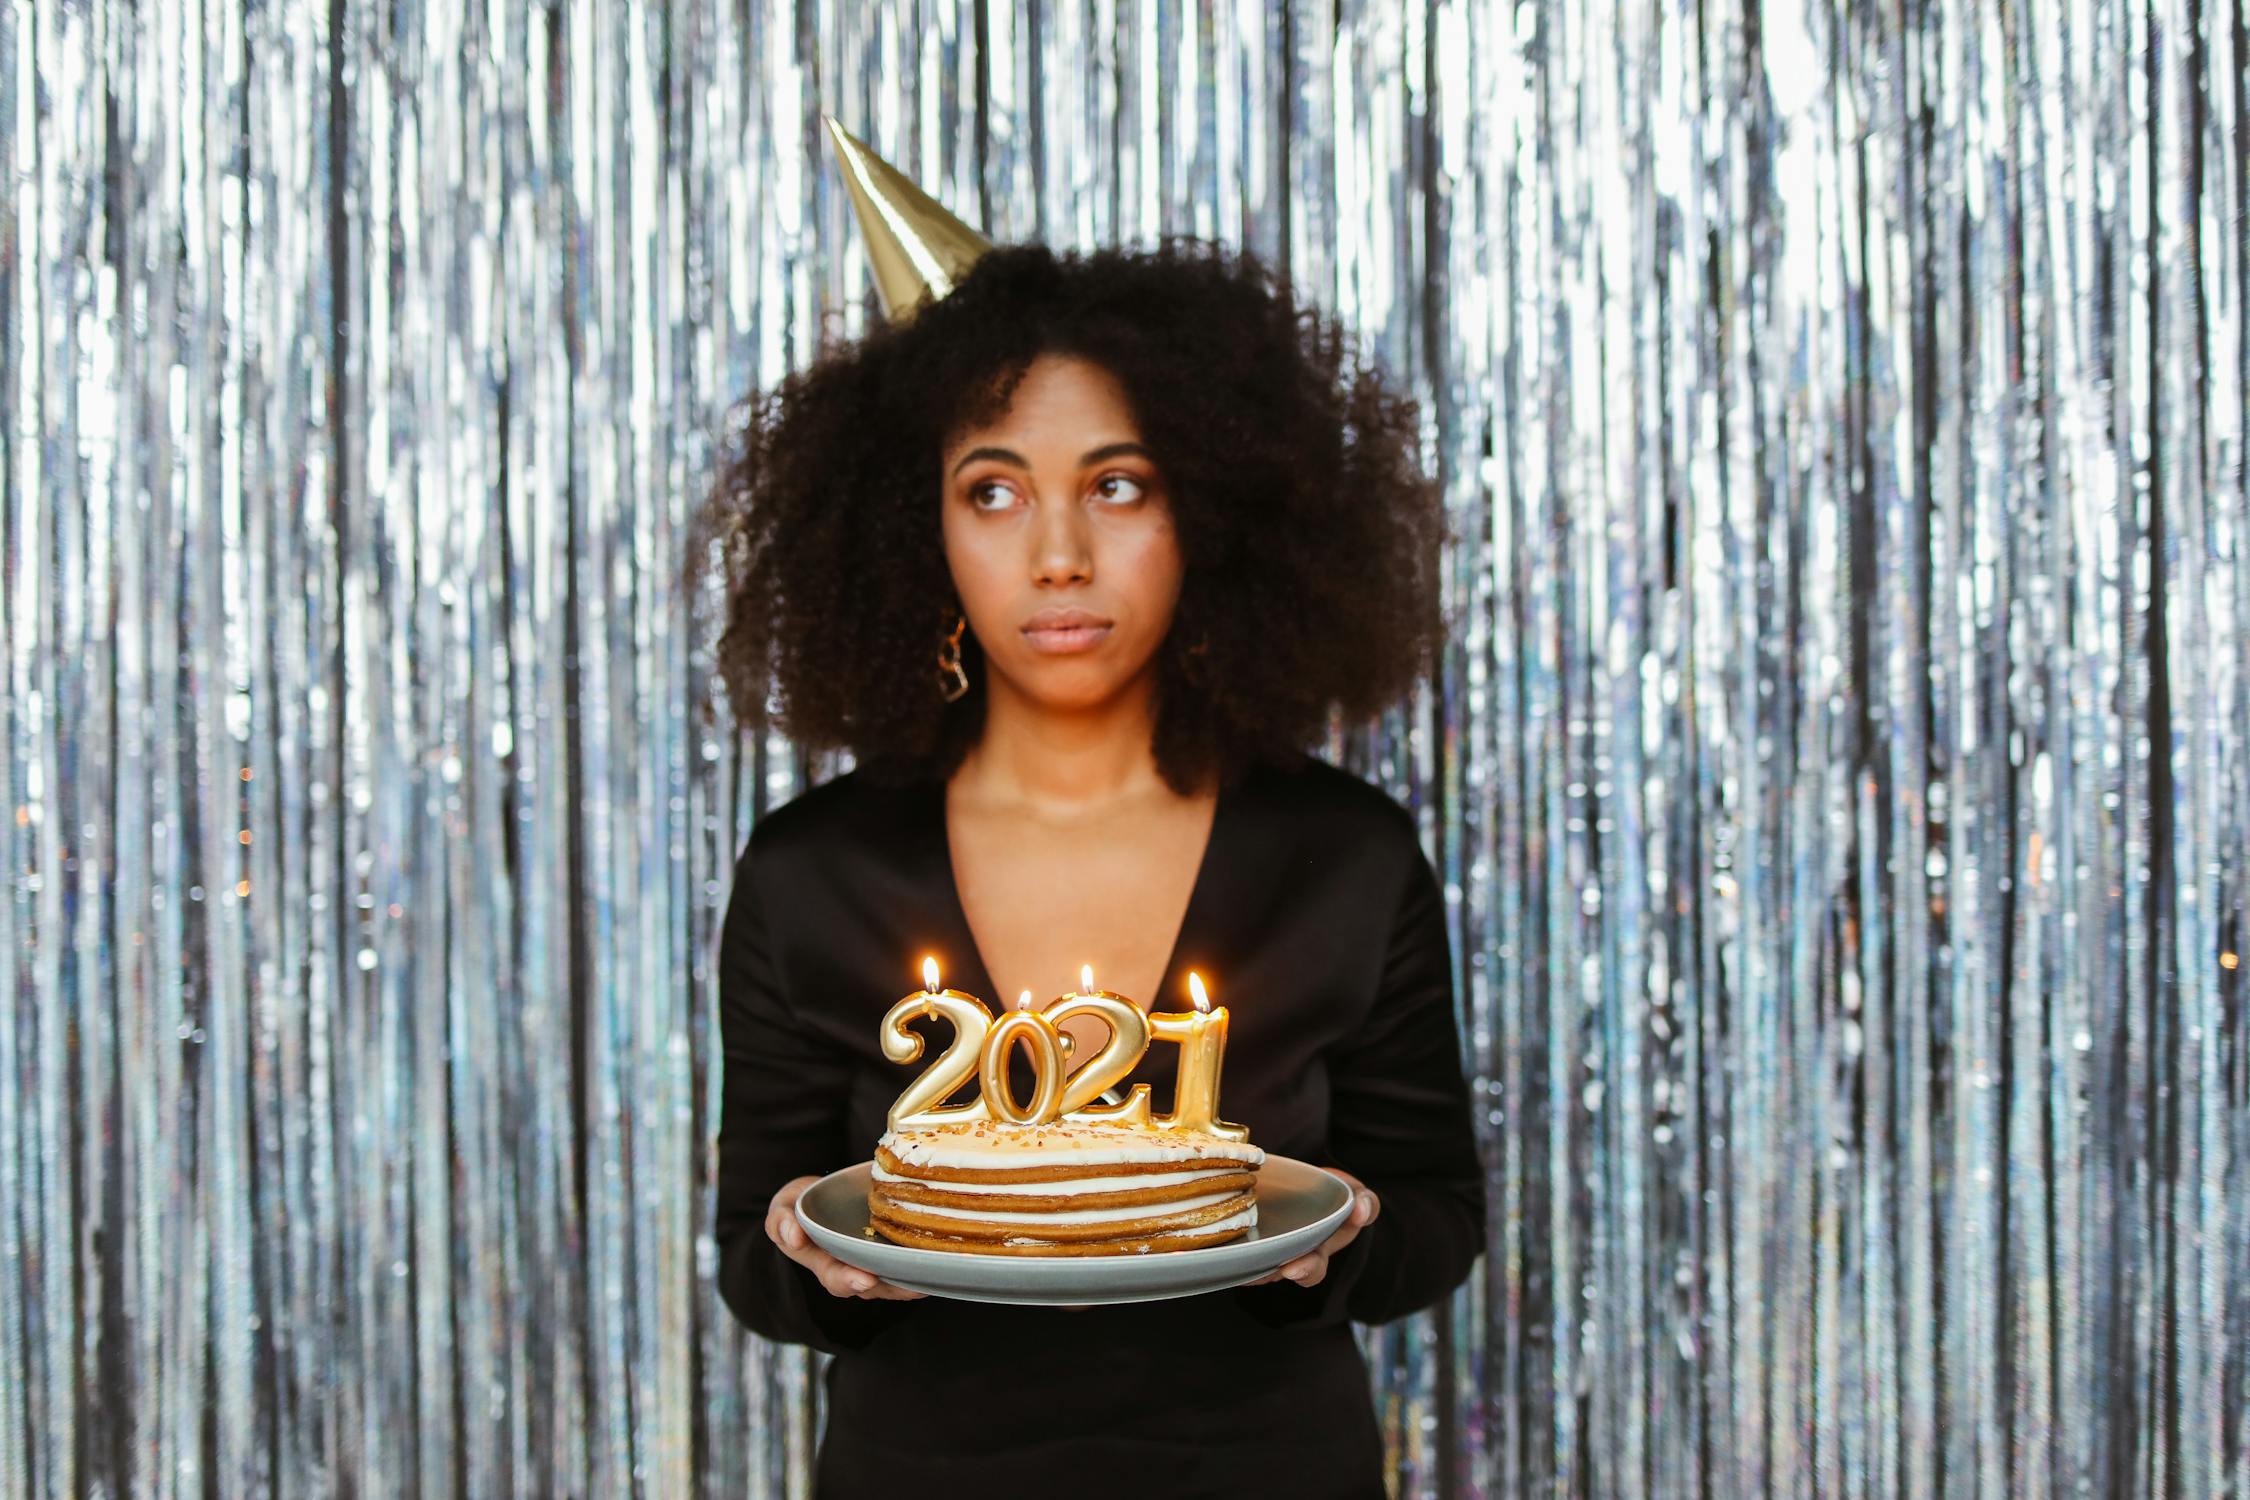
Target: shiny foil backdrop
[(1838, 771)]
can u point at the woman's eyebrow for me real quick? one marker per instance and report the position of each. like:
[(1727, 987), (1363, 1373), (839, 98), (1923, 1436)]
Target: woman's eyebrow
[(1090, 456)]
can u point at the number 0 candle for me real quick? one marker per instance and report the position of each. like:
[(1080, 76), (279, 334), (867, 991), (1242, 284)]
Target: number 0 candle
[(1202, 1038), (1039, 1037)]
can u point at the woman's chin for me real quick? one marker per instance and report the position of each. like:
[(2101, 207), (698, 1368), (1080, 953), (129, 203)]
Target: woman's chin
[(1070, 685)]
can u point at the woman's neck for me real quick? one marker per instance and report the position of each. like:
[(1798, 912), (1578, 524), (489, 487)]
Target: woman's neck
[(1063, 762)]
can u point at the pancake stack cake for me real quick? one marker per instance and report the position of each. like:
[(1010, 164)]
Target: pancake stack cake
[(1067, 1187)]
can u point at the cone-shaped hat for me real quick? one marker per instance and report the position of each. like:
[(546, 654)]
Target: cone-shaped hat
[(914, 247)]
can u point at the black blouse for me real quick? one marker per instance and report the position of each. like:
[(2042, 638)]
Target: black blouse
[(1318, 922)]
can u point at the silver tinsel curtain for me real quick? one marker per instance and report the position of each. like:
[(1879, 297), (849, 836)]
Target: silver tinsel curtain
[(1838, 770)]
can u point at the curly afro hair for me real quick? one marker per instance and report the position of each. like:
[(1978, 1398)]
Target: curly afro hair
[(1308, 531)]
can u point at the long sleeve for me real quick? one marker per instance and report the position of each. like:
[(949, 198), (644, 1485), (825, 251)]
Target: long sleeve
[(1399, 1120), (781, 1116)]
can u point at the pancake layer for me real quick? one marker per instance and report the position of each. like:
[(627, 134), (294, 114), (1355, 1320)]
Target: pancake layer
[(1066, 1188)]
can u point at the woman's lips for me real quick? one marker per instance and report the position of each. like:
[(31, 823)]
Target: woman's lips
[(1064, 640)]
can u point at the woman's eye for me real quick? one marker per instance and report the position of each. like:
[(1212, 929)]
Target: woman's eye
[(1117, 489), (1107, 488)]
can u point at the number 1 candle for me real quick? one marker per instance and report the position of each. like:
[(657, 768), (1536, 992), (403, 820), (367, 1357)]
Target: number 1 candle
[(1202, 1038)]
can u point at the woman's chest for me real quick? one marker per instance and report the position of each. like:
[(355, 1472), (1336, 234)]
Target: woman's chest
[(1044, 904)]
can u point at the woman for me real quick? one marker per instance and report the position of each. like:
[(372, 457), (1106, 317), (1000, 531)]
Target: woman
[(1075, 563)]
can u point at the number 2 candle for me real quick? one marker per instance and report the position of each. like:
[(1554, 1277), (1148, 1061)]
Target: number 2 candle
[(1128, 1039), (920, 1107)]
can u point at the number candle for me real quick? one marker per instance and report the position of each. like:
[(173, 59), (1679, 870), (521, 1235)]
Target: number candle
[(1045, 1042), (1202, 1038), (921, 1105), (1128, 1039)]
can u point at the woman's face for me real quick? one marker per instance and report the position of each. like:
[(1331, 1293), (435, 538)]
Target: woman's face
[(1059, 534)]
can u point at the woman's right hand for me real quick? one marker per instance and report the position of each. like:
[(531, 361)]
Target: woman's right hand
[(839, 1279)]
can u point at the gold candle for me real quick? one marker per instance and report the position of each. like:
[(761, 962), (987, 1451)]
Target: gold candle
[(1045, 1042), (919, 1106), (1128, 1039), (1202, 1038)]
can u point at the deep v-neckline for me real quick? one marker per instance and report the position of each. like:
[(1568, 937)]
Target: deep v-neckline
[(1199, 896)]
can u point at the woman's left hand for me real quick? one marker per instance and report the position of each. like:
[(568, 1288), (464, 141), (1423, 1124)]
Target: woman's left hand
[(1309, 1268)]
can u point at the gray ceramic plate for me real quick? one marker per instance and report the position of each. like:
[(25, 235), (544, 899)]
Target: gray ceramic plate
[(1298, 1206)]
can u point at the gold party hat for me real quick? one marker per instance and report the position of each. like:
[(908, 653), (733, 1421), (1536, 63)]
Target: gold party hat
[(915, 248)]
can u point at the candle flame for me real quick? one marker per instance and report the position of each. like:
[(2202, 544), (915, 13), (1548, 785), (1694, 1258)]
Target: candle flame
[(1086, 978), (1023, 1001), (929, 975), (1195, 992)]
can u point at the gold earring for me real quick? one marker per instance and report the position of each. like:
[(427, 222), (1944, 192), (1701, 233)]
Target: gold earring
[(949, 664)]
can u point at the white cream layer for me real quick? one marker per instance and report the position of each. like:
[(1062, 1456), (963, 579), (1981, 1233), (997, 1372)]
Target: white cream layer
[(1062, 1144), (1247, 1219), (1061, 1189), (1070, 1215)]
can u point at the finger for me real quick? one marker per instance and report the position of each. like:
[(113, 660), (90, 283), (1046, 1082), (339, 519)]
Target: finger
[(1339, 1239), (1364, 1209), (831, 1272), (853, 1281), (879, 1290), (883, 1291), (842, 1280), (1349, 1181), (1309, 1270), (794, 1242), (1281, 1272), (782, 1226)]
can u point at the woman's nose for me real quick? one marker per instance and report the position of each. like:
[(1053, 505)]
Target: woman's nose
[(1062, 550)]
